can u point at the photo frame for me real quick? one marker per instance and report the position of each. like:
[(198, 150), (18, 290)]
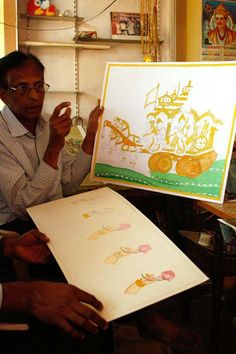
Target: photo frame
[(125, 25), (218, 30)]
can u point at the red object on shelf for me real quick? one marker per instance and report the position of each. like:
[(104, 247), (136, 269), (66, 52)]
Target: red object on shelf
[(40, 7)]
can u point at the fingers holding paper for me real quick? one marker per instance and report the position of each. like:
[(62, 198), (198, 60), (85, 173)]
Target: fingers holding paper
[(31, 247), (65, 306)]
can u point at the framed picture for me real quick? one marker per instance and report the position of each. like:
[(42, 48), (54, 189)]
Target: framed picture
[(218, 30), (125, 25)]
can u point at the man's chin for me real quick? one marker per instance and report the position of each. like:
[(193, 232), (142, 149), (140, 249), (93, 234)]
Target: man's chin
[(33, 112)]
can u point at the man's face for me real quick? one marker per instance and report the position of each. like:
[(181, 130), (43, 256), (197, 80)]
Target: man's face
[(27, 106), (220, 22)]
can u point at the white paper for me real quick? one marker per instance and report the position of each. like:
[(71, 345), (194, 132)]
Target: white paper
[(107, 247)]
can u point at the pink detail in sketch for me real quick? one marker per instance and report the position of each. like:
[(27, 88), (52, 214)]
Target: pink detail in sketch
[(123, 227), (126, 251), (168, 275), (108, 229), (144, 248), (147, 279)]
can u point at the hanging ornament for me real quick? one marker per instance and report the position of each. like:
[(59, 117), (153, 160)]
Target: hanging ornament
[(150, 20)]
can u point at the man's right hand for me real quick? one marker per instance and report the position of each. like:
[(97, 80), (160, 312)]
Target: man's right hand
[(60, 124), (59, 304)]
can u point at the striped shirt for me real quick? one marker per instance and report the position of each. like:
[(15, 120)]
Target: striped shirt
[(25, 179)]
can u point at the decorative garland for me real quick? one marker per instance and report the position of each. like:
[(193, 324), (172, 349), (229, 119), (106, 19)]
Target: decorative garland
[(150, 25)]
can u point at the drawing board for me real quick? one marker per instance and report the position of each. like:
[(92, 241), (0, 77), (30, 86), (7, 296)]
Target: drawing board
[(167, 127), (107, 247)]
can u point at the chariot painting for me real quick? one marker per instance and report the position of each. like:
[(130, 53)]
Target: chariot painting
[(167, 127)]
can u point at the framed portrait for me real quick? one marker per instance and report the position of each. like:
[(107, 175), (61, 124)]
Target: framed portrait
[(125, 25), (218, 30)]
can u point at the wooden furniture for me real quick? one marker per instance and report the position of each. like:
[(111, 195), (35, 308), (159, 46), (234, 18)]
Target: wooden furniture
[(212, 260), (227, 210)]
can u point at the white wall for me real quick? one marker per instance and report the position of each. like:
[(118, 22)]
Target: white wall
[(60, 62)]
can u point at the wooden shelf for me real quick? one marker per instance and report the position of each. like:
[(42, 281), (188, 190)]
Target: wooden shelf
[(52, 18), (111, 40), (63, 44)]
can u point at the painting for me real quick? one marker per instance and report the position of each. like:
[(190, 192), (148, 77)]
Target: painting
[(218, 30), (107, 247), (167, 127)]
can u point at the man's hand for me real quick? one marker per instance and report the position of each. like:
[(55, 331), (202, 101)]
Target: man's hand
[(59, 304), (92, 127), (60, 124), (31, 247)]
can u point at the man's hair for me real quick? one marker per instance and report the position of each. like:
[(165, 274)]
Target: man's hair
[(13, 60)]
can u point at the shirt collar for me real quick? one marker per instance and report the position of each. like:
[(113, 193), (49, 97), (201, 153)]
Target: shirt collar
[(15, 127)]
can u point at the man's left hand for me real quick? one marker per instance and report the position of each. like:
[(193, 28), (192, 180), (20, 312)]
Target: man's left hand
[(31, 247), (92, 127)]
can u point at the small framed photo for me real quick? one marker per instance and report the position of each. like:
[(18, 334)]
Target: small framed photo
[(125, 25)]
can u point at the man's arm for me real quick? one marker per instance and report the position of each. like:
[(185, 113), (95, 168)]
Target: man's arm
[(59, 304), (20, 192), (18, 189)]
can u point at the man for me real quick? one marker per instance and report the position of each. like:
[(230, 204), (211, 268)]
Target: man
[(221, 35), (35, 167), (57, 304)]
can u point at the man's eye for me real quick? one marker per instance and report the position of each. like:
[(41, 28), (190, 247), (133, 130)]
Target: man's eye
[(39, 86), (22, 87)]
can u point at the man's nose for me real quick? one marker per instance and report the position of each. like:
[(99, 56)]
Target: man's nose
[(33, 93)]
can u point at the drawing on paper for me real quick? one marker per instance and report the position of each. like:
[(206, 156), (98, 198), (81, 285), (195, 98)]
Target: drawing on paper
[(147, 279), (89, 214), (108, 229), (92, 212), (109, 282), (176, 140), (177, 148), (126, 251)]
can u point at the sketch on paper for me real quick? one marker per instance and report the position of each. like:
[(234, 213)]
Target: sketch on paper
[(89, 264), (108, 229), (171, 133), (126, 251), (92, 212), (147, 279)]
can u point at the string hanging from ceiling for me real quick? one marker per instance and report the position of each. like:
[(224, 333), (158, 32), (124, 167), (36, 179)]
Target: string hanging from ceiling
[(150, 26)]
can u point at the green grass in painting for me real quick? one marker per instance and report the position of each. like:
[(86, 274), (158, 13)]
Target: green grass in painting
[(206, 184)]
